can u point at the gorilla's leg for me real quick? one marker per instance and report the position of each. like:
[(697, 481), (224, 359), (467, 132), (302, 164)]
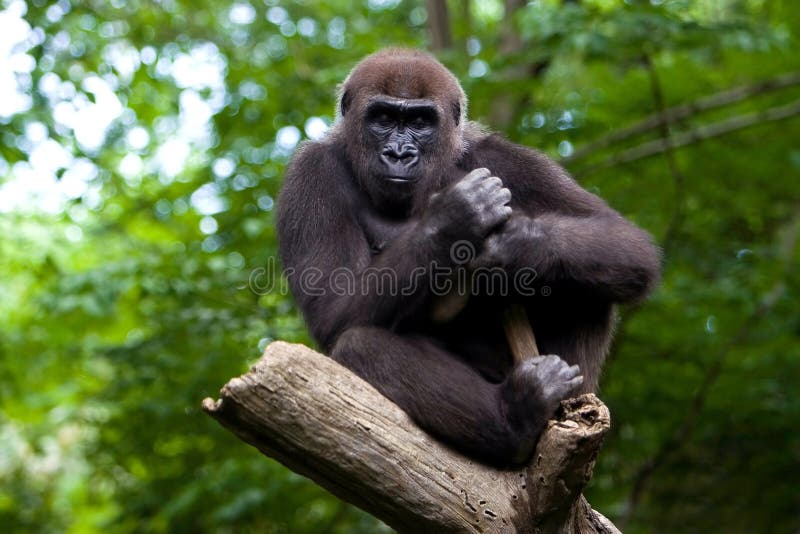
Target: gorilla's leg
[(498, 423)]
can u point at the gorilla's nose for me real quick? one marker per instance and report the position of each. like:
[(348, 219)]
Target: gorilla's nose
[(394, 154)]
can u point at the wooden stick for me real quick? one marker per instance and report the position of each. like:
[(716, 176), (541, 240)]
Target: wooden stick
[(519, 333)]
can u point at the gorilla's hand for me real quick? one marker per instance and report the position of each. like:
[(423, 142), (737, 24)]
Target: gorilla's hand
[(510, 246), (530, 395), (470, 208)]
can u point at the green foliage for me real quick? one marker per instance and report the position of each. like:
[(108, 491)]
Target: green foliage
[(140, 275)]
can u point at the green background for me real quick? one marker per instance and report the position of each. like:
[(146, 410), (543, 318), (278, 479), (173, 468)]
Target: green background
[(124, 296)]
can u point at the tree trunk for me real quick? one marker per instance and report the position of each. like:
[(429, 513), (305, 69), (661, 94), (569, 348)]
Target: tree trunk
[(439, 25), (324, 422)]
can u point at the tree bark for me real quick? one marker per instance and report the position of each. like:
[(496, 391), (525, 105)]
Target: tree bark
[(324, 422)]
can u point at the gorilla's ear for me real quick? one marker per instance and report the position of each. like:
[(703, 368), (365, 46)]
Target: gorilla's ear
[(344, 104), (456, 112)]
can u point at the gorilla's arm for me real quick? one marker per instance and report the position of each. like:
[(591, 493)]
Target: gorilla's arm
[(601, 252), (337, 281), (564, 232), (326, 255)]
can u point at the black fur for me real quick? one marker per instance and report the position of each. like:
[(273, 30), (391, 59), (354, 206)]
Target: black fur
[(452, 370)]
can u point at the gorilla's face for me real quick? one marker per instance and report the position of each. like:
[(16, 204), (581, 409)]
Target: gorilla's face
[(401, 134), (401, 125), (400, 151)]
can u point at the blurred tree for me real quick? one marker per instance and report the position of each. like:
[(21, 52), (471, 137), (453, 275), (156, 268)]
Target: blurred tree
[(140, 155)]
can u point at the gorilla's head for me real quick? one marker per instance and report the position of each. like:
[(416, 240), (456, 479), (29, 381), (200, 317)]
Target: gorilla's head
[(401, 118)]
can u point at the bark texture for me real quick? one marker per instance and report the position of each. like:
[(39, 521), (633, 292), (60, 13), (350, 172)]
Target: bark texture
[(322, 421)]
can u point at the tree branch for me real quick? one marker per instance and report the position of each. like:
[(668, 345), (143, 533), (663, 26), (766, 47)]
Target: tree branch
[(683, 431), (676, 219), (683, 111), (324, 422), (716, 129)]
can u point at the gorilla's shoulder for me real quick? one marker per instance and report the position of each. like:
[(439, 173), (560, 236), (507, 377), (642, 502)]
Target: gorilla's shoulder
[(320, 163), (506, 158), (317, 152), (492, 143)]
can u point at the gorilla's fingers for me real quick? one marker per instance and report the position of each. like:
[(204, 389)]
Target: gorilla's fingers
[(478, 174), (503, 195), (492, 182), (575, 383)]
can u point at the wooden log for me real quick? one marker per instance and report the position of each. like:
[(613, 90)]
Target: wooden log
[(324, 422)]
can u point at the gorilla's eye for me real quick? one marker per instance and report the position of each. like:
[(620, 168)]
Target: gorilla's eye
[(383, 119), (421, 118), (419, 123)]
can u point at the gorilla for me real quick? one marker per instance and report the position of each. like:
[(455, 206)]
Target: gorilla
[(399, 183)]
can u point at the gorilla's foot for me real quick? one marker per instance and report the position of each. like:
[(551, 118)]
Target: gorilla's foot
[(531, 394)]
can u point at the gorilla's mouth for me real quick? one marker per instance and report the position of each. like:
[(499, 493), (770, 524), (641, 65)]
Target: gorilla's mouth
[(399, 168), (400, 179)]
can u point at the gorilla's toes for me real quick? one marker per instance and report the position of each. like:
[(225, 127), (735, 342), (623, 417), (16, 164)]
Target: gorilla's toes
[(537, 385)]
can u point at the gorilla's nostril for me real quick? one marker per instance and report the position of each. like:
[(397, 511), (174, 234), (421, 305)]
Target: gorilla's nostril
[(405, 155)]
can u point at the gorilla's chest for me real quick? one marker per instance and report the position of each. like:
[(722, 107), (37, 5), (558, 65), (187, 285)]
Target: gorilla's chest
[(380, 230)]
